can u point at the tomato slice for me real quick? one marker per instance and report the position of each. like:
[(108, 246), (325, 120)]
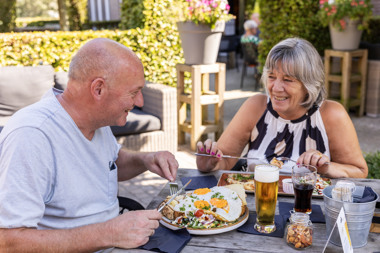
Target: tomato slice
[(199, 213)]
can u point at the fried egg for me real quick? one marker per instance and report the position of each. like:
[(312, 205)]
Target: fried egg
[(219, 201)]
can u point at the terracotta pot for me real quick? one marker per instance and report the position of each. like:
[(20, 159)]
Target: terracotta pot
[(200, 43), (348, 39)]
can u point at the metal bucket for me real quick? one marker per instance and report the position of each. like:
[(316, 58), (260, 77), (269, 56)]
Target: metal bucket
[(358, 215)]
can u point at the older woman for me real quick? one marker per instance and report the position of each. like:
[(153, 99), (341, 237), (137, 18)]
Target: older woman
[(293, 120), (249, 36)]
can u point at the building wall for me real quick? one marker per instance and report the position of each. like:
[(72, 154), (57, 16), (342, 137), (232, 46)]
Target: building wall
[(376, 7), (104, 10)]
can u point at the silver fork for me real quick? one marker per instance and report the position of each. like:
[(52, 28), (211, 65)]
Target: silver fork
[(285, 159), (173, 188), (282, 158)]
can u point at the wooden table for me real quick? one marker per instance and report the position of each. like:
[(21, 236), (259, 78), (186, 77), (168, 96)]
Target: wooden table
[(234, 241)]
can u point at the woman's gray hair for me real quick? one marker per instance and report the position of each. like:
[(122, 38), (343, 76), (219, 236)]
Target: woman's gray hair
[(249, 24), (299, 59)]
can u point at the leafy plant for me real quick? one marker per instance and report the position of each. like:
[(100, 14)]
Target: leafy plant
[(206, 12), (373, 162), (372, 33), (339, 11), (296, 18), (7, 15), (132, 15), (57, 48)]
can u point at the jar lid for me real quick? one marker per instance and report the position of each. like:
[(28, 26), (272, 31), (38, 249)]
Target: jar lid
[(299, 217), (346, 184)]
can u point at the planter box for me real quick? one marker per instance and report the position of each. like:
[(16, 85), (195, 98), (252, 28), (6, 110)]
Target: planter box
[(373, 89), (200, 43)]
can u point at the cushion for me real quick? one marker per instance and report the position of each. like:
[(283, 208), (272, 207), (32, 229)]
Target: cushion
[(137, 122), (22, 86), (60, 80)]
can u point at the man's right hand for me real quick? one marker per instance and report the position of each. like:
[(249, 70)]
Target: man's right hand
[(133, 229)]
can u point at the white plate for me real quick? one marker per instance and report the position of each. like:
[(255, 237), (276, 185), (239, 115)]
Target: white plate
[(208, 231)]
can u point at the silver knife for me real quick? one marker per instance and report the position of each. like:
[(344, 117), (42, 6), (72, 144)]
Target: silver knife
[(175, 195), (228, 156)]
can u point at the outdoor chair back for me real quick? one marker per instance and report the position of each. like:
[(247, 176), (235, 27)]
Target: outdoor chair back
[(250, 53)]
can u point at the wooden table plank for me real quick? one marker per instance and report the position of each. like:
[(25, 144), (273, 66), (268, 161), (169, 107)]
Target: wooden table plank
[(234, 241)]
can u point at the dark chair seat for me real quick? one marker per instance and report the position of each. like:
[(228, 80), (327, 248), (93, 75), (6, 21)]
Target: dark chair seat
[(137, 122), (129, 204)]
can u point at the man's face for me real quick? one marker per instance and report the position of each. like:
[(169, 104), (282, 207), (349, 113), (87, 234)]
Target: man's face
[(124, 94)]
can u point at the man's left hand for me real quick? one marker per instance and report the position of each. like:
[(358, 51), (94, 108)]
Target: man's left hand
[(163, 163)]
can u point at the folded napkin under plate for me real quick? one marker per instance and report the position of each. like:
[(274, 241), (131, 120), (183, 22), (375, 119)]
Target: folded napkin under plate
[(248, 227), (167, 240), (199, 182), (316, 215)]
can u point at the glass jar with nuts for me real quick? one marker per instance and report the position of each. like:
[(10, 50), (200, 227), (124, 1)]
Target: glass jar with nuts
[(299, 233)]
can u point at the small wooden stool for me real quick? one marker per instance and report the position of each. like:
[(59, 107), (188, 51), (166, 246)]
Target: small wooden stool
[(199, 99), (346, 77)]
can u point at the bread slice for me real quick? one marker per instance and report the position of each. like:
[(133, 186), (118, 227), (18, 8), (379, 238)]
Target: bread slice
[(239, 189)]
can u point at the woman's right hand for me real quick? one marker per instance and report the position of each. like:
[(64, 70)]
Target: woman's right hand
[(207, 163)]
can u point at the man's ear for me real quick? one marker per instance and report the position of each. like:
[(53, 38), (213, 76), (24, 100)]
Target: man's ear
[(98, 88)]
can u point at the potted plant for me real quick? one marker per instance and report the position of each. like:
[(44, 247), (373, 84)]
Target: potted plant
[(201, 25), (346, 20)]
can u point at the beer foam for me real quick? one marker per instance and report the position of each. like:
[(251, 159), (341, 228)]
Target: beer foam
[(267, 173)]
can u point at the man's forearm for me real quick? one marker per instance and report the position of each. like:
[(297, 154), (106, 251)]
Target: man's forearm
[(88, 238), (130, 164)]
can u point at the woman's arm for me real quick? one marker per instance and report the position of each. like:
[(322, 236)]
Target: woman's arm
[(346, 156), (234, 138)]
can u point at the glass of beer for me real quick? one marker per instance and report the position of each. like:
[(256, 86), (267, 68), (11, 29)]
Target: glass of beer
[(304, 178), (266, 188)]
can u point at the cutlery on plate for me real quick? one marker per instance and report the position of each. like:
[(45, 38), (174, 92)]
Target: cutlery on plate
[(228, 156), (175, 195)]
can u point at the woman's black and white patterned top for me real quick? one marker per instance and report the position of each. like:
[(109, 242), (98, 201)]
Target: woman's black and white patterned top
[(274, 136)]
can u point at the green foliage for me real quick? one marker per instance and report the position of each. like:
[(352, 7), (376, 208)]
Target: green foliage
[(77, 13), (372, 33), (292, 18), (36, 8), (158, 54), (249, 8), (41, 23), (160, 44), (337, 12), (132, 14), (373, 162), (7, 15)]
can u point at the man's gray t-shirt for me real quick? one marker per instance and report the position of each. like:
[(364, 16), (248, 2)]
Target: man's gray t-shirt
[(51, 176)]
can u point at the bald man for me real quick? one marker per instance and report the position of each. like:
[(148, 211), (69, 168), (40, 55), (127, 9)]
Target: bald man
[(60, 163)]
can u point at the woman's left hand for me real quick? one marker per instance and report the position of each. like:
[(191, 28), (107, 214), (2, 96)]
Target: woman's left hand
[(315, 158)]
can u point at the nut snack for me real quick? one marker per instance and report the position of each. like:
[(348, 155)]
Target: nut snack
[(299, 233)]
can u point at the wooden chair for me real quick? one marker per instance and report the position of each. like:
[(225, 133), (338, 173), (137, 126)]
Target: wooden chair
[(249, 51)]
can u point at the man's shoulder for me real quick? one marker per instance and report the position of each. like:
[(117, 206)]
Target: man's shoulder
[(34, 115)]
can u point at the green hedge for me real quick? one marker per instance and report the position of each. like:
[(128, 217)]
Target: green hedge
[(373, 162), (293, 18), (372, 33), (158, 53)]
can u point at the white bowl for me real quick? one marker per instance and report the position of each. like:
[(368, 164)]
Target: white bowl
[(287, 185)]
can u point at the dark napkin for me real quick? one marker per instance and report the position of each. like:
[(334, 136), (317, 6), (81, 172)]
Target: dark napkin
[(167, 240), (199, 182), (316, 215), (368, 196), (248, 227)]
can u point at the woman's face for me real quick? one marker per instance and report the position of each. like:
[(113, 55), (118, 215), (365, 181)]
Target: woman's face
[(286, 94)]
